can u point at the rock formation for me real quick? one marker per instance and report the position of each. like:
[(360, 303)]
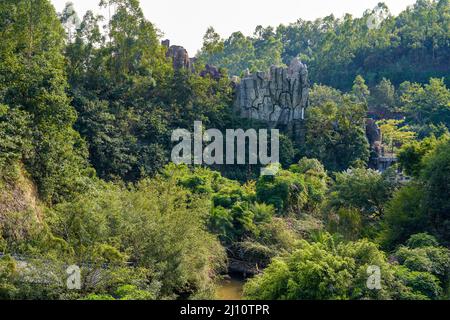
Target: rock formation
[(373, 134), (279, 97), (181, 60), (179, 56), (379, 159), (212, 71)]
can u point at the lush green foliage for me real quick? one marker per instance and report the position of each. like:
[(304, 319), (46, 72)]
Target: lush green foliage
[(128, 96), (238, 52), (86, 115), (412, 46), (33, 83), (423, 204), (329, 270), (335, 128), (356, 202)]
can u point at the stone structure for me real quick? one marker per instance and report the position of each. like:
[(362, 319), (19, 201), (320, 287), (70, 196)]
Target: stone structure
[(179, 56), (212, 71), (379, 159), (279, 97), (373, 134)]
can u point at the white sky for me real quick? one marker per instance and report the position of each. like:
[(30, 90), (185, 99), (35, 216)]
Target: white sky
[(185, 22)]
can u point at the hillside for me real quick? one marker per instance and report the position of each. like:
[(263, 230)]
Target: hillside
[(95, 114)]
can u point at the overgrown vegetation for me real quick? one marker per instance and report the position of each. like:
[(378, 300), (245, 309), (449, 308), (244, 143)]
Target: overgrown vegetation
[(85, 122), (412, 46)]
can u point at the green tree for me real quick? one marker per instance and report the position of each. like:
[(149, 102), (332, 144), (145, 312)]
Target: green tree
[(384, 95), (286, 191), (316, 181), (423, 255), (360, 90), (405, 215), (212, 42), (157, 225), (324, 270), (15, 140), (423, 205), (427, 105), (395, 133), (335, 130), (32, 73), (239, 53), (436, 180), (358, 197), (411, 155)]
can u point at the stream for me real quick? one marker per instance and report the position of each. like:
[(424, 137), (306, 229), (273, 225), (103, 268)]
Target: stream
[(231, 288)]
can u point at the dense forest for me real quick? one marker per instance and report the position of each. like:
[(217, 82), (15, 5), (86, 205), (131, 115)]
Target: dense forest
[(412, 46), (87, 109)]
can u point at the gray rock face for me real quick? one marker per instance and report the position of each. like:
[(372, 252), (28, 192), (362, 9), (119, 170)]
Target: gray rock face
[(379, 159), (373, 132), (278, 97), (179, 56), (212, 71)]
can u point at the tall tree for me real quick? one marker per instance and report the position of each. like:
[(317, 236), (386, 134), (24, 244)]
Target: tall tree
[(32, 79)]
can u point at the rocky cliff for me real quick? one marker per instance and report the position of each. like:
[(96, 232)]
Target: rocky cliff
[(179, 56), (278, 97)]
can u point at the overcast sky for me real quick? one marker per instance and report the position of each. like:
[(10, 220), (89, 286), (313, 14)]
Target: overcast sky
[(185, 22)]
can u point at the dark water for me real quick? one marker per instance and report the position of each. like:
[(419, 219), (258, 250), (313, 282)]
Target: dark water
[(231, 288)]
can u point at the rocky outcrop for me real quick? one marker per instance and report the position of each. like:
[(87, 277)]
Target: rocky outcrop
[(181, 60), (373, 134), (179, 56), (211, 71), (379, 159), (278, 97)]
